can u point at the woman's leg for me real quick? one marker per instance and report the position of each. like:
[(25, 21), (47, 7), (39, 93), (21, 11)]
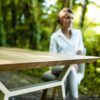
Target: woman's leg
[(72, 83)]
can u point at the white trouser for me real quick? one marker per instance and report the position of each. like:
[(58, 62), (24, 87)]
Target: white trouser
[(73, 80)]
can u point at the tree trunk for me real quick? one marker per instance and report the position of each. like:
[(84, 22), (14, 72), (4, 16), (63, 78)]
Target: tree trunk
[(83, 13), (2, 33)]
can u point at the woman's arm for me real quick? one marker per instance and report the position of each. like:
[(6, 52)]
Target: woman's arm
[(53, 45)]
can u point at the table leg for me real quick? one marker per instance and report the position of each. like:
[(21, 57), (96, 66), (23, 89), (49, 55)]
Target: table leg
[(6, 97), (44, 94), (63, 91)]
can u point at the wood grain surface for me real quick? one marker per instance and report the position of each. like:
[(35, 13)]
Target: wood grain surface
[(17, 59)]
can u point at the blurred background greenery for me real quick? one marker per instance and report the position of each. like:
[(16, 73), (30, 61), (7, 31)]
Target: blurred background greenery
[(30, 23)]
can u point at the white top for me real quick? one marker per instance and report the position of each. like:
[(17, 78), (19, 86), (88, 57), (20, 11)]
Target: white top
[(60, 43)]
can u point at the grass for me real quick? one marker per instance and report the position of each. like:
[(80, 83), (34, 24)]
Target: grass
[(1, 95)]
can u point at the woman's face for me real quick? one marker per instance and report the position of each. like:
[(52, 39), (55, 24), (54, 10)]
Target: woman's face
[(66, 18)]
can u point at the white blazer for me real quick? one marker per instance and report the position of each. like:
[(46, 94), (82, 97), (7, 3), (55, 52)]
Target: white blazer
[(60, 43)]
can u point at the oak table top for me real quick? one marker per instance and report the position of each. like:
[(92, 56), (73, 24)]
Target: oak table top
[(17, 59)]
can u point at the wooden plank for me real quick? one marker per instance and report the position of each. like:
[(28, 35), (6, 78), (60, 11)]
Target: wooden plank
[(16, 59)]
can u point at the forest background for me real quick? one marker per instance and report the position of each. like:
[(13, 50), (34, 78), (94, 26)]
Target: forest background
[(29, 24)]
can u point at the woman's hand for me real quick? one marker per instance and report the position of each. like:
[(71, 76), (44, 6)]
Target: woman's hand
[(79, 52)]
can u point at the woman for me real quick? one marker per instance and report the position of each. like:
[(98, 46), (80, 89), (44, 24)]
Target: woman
[(67, 41)]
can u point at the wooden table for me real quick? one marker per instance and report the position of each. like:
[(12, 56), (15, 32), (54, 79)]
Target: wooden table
[(17, 59)]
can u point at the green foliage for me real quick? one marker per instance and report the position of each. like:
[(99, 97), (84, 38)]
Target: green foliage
[(1, 95), (35, 72), (17, 25), (91, 83), (92, 41)]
